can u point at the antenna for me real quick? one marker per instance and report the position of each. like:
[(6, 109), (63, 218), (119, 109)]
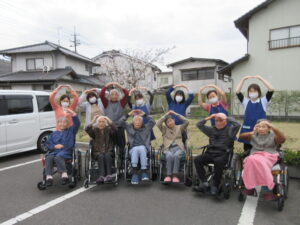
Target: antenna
[(75, 40), (58, 34)]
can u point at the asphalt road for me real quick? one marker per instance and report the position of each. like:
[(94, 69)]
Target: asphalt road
[(149, 204)]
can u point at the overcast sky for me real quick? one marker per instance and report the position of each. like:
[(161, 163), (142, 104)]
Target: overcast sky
[(198, 28)]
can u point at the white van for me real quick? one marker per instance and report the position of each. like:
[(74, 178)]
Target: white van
[(26, 120)]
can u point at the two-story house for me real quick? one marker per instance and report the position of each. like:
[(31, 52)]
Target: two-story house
[(125, 69), (272, 30), (197, 72), (46, 65)]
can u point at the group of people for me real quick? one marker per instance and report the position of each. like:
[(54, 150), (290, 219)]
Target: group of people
[(106, 123)]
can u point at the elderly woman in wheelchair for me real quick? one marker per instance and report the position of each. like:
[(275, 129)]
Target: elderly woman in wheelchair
[(173, 146), (102, 131), (221, 140), (257, 167)]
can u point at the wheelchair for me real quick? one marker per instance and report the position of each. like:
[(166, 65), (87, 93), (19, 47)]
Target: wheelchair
[(92, 169), (281, 180), (227, 181), (185, 168), (73, 169), (128, 170)]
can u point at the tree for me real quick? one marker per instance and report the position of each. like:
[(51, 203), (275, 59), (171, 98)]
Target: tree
[(132, 68)]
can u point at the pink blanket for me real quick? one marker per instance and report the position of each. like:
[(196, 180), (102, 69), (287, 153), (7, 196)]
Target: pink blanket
[(258, 170)]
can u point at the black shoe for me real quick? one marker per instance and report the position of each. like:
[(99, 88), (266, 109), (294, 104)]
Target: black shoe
[(49, 182), (213, 190), (65, 180), (203, 187)]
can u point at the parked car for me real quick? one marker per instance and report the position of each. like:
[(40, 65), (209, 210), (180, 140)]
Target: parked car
[(26, 120)]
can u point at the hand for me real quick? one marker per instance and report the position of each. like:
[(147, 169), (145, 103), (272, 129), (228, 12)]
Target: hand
[(258, 77), (222, 116), (248, 77), (268, 124), (58, 146), (144, 88), (140, 112), (210, 117), (255, 129), (131, 91), (131, 112), (71, 112), (171, 112), (108, 120), (95, 118)]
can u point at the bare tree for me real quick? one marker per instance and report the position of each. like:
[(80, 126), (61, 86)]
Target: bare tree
[(132, 68)]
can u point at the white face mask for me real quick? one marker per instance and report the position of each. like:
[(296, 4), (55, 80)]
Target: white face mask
[(178, 98), (253, 95), (92, 100), (140, 102), (65, 104), (213, 100)]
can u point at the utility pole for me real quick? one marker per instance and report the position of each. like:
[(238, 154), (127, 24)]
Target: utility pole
[(75, 40)]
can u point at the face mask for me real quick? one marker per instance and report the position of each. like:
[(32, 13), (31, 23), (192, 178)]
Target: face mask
[(178, 98), (65, 104), (213, 100), (253, 95), (92, 100), (140, 102)]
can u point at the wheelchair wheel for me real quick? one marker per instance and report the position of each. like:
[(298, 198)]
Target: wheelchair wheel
[(188, 182), (86, 183), (79, 165), (241, 197), (280, 203), (41, 186), (226, 191)]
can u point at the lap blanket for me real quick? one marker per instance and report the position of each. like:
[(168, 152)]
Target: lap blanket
[(258, 170)]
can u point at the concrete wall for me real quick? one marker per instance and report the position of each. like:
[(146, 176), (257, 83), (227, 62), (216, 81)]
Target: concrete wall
[(195, 85)]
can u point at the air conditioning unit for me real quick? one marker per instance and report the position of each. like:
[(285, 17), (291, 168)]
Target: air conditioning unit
[(46, 69)]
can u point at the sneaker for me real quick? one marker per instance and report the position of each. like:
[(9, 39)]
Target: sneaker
[(213, 190), (175, 180), (145, 177), (65, 180), (167, 179), (248, 192), (100, 180), (49, 182), (203, 187), (108, 179), (135, 179)]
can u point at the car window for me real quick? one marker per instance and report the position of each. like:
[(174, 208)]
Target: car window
[(44, 104), (3, 108), (19, 104)]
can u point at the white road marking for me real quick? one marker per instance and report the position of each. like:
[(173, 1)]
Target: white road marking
[(18, 165), (249, 209), (45, 206)]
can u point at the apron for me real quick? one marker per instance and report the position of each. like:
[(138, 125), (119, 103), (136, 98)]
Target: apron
[(217, 109), (253, 112), (144, 108)]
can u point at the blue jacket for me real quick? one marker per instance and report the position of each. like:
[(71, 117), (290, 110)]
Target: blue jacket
[(65, 138), (179, 108)]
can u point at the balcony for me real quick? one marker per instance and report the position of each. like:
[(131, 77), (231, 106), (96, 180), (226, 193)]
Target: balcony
[(284, 43)]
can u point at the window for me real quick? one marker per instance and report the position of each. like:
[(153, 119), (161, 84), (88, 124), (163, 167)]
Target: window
[(44, 104), (34, 64), (19, 104), (189, 75), (3, 108), (207, 73), (47, 87), (164, 80), (285, 37)]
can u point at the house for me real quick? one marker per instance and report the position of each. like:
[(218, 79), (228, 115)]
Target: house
[(125, 69), (5, 67), (197, 72), (164, 79), (46, 65), (272, 30)]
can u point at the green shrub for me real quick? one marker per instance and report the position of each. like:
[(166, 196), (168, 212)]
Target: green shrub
[(292, 158)]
